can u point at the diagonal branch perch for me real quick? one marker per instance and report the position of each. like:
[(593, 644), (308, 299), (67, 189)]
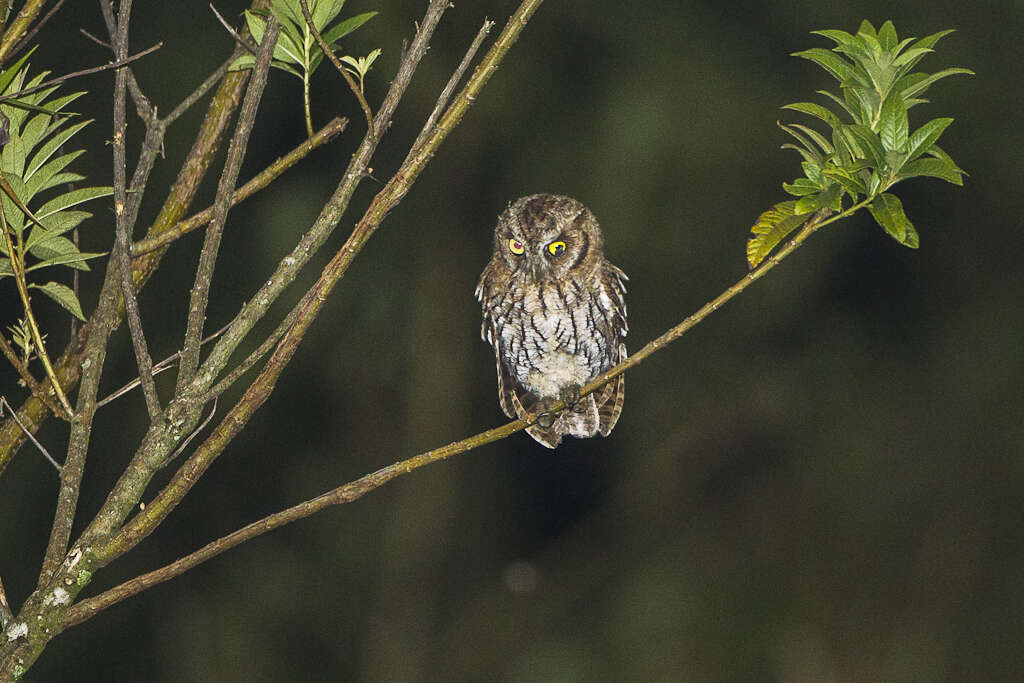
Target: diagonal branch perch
[(356, 489)]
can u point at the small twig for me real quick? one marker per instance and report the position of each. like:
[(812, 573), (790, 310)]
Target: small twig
[(6, 616), (34, 385), (98, 41), (453, 83), (353, 86), (197, 94), (234, 34), (35, 29), (165, 364), (259, 182), (28, 433), (195, 433), (222, 203), (83, 72), (22, 284), (122, 237)]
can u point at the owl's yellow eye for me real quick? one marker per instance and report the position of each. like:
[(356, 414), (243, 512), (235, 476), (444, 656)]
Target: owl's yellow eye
[(556, 248), (516, 247)]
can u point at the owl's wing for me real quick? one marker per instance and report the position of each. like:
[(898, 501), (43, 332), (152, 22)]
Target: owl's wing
[(612, 395), (506, 384)]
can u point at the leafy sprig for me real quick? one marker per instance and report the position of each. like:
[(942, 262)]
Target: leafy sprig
[(870, 146), (297, 51)]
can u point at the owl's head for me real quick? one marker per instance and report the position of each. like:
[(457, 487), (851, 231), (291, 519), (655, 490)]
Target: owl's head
[(545, 237)]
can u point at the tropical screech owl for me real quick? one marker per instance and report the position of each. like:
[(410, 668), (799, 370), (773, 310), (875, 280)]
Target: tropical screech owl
[(555, 315)]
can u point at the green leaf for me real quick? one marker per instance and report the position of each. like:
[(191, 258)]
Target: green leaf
[(5, 268), (934, 168), (339, 31), (888, 213), (41, 179), (50, 147), (840, 69), (922, 82), (67, 259), (929, 41), (772, 226), (63, 295), (58, 248), (8, 74), (841, 102), (324, 12), (925, 136), (58, 224), (73, 198), (868, 143), (850, 180), (893, 125), (817, 111), (830, 197), (887, 36), (801, 187), (288, 10)]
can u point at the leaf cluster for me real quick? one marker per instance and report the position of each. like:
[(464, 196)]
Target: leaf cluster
[(870, 146), (297, 51), (32, 161)]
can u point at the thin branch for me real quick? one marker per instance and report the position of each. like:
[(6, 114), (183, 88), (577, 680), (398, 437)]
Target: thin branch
[(126, 492), (35, 29), (17, 265), (259, 182), (98, 41), (222, 203), (242, 42), (101, 324), (165, 364), (26, 15), (197, 94), (37, 389), (309, 306), (84, 72), (122, 238), (29, 434), (193, 170), (354, 490), (326, 49), (289, 267), (453, 82)]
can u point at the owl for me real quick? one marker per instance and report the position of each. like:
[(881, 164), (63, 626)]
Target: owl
[(555, 314)]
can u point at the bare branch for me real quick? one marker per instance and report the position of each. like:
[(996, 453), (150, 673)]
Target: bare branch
[(259, 182), (19, 46), (309, 306), (29, 434), (356, 90), (12, 36), (122, 238), (242, 42), (222, 203), (453, 82), (84, 72), (165, 364), (37, 389)]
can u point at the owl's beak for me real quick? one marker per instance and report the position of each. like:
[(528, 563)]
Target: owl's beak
[(538, 268)]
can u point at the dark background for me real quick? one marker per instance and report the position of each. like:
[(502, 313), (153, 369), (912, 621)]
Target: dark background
[(822, 482)]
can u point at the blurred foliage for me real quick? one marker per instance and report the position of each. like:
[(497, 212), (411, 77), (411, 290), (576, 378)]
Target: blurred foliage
[(821, 482)]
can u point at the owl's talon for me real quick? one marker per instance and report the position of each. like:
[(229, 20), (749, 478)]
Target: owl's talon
[(545, 416), (570, 396)]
